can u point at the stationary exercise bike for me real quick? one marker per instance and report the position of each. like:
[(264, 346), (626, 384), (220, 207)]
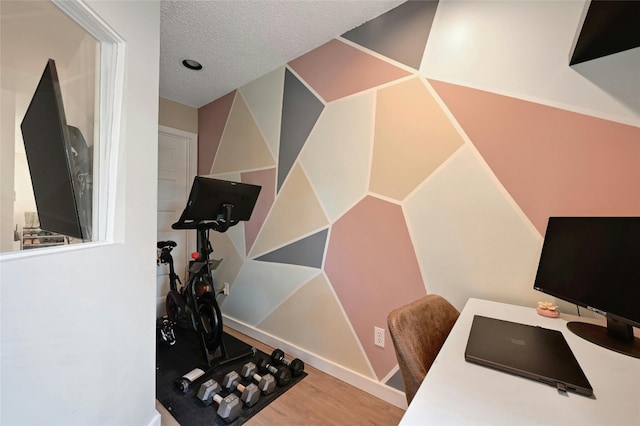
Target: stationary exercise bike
[(193, 306), (213, 205)]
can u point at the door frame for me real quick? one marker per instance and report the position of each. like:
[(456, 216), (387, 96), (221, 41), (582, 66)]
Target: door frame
[(192, 166)]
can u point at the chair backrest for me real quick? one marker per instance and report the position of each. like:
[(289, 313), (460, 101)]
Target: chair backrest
[(418, 331)]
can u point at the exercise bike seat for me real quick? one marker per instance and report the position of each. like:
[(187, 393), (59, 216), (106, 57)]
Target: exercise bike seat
[(163, 244)]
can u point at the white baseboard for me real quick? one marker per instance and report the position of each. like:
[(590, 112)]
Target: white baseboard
[(375, 388), (157, 420)]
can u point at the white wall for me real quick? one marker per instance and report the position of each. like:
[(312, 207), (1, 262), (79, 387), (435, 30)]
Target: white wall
[(78, 325)]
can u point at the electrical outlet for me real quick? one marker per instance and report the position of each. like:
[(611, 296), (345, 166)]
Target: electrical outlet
[(378, 336), (226, 289)]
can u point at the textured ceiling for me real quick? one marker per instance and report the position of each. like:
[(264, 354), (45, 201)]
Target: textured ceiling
[(239, 41)]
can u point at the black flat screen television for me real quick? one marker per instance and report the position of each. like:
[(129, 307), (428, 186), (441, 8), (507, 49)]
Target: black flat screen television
[(221, 201), (594, 262), (59, 161)]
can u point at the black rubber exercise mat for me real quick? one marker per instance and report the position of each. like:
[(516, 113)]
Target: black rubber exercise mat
[(174, 361)]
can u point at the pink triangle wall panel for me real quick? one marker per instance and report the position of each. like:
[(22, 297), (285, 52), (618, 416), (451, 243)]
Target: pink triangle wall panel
[(553, 162), (212, 119), (372, 266), (267, 180), (335, 70)]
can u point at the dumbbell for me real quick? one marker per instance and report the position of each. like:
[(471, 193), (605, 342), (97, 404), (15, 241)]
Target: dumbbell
[(185, 382), (281, 374), (250, 394), (266, 383), (296, 366), (228, 407)]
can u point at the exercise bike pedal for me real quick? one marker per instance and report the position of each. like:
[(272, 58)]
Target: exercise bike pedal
[(167, 334)]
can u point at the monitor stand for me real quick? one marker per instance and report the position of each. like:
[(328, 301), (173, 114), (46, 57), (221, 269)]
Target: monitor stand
[(606, 337)]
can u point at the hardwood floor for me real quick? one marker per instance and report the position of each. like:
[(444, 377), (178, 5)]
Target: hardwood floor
[(318, 399)]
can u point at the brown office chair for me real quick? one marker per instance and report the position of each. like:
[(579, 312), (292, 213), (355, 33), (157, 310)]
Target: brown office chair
[(418, 331)]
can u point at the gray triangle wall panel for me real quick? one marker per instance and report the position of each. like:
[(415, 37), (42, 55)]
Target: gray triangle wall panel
[(400, 34), (396, 382), (300, 111), (308, 251)]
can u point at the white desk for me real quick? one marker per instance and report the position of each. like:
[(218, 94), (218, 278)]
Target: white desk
[(456, 392)]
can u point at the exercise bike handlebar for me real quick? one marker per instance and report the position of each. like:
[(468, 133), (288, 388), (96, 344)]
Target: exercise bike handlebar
[(221, 224)]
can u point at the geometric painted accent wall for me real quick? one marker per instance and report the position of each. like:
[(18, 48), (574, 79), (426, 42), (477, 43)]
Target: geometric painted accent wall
[(382, 184)]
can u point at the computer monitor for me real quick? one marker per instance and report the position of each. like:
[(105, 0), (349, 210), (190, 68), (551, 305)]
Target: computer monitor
[(213, 200), (594, 262), (59, 161)]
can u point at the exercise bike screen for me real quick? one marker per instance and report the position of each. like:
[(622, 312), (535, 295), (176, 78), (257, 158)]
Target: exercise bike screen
[(208, 196)]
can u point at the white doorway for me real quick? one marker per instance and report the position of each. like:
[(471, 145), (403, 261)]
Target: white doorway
[(177, 165)]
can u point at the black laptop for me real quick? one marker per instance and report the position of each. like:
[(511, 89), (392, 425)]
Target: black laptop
[(534, 352)]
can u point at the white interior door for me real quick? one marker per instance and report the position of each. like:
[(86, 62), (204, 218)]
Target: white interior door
[(176, 169)]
